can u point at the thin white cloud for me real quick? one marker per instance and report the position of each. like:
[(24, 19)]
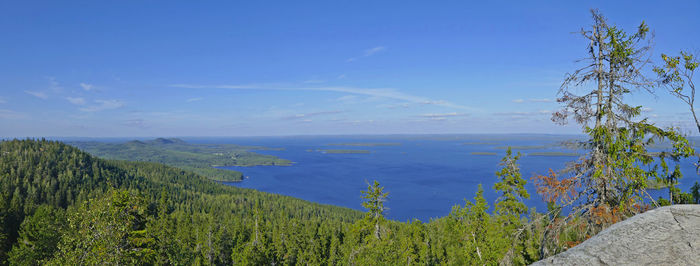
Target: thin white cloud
[(306, 115), (374, 50), (341, 76), (102, 105), (2, 100), (76, 101), (9, 114), (347, 98), (395, 106), (38, 94), (444, 115), (233, 87), (367, 52), (520, 113), (86, 86), (194, 99), (54, 85), (387, 93), (543, 100), (136, 123), (440, 117)]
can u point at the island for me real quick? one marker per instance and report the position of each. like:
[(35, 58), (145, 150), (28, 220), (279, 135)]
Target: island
[(344, 151), (365, 144), (481, 143), (530, 147), (199, 158)]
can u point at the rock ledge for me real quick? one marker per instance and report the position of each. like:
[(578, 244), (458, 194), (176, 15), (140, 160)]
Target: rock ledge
[(664, 236)]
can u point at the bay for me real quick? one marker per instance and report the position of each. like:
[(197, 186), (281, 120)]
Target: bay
[(425, 175)]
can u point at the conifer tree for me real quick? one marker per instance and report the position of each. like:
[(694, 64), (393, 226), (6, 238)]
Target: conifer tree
[(612, 173), (374, 198), (609, 182), (511, 185)]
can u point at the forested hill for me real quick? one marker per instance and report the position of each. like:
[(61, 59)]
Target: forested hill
[(198, 158), (61, 205)]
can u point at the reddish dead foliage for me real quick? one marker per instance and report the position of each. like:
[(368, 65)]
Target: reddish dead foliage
[(553, 189)]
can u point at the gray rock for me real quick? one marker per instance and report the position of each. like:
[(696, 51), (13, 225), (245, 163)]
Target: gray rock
[(663, 236)]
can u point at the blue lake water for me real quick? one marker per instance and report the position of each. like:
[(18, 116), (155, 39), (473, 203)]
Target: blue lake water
[(424, 175)]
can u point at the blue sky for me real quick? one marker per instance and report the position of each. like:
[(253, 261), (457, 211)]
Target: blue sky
[(205, 68)]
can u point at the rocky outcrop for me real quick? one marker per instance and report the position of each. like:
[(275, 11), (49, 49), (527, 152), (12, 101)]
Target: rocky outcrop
[(663, 236)]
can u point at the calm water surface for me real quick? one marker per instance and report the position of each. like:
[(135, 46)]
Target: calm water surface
[(424, 175)]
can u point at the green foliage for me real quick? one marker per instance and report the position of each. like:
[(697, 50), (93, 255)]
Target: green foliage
[(96, 211), (695, 192), (110, 230), (616, 169), (180, 216), (62, 206), (677, 71), (473, 236), (609, 183), (39, 235), (374, 198), (511, 185)]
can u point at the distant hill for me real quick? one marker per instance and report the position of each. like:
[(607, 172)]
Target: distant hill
[(167, 141), (199, 158)]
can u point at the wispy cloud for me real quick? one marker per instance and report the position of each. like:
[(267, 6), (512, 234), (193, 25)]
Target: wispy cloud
[(347, 98), (519, 113), (543, 100), (341, 76), (395, 106), (439, 117), (387, 93), (86, 86), (9, 114), (194, 99), (2, 100), (38, 94), (444, 115), (136, 123), (101, 105), (367, 52), (307, 115), (54, 85), (232, 87), (76, 101), (374, 50)]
